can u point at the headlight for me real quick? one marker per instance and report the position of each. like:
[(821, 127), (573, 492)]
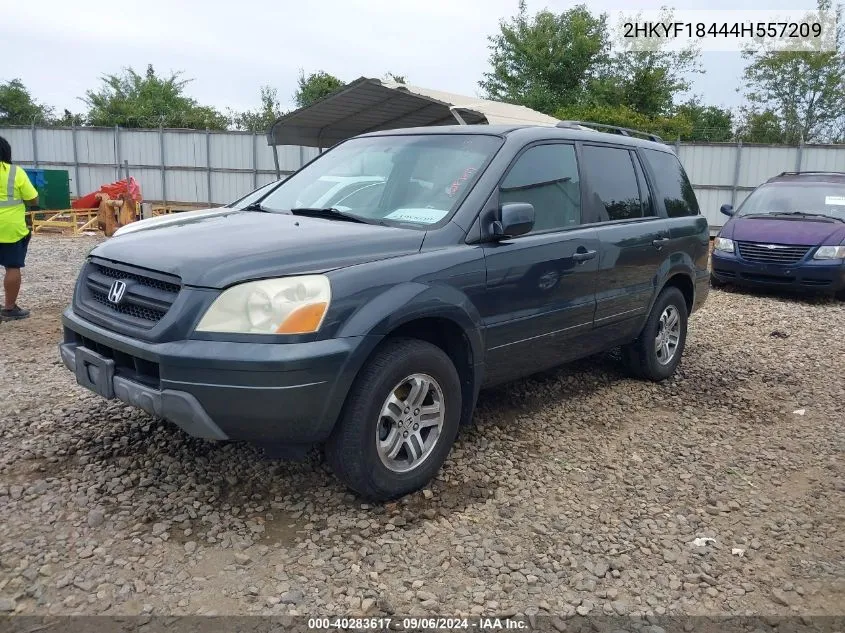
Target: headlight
[(724, 244), (289, 305), (830, 252)]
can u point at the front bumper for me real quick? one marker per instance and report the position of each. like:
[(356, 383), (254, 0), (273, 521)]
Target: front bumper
[(807, 276), (268, 393)]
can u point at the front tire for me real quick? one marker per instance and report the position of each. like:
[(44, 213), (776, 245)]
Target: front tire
[(715, 282), (399, 421), (657, 352)]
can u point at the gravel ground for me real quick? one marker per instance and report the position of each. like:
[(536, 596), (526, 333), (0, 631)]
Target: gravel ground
[(576, 491)]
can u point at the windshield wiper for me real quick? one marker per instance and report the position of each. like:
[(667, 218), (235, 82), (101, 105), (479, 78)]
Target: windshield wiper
[(256, 206), (808, 214), (329, 213)]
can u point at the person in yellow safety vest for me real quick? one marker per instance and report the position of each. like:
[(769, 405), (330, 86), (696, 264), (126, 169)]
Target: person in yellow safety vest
[(16, 193)]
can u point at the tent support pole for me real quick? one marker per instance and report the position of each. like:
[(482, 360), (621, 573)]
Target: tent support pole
[(276, 162)]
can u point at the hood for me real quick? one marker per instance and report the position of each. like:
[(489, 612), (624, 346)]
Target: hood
[(219, 249), (785, 230), (170, 219)]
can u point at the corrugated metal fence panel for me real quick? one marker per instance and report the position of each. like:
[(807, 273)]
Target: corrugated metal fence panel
[(140, 147), (184, 149), (226, 187), (758, 164), (823, 159), (709, 164), (21, 141), (95, 146), (54, 146), (231, 151), (186, 186)]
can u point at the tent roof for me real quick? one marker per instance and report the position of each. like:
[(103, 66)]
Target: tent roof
[(368, 105)]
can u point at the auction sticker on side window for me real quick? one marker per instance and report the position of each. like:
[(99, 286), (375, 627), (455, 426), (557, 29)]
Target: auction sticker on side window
[(837, 200), (423, 216)]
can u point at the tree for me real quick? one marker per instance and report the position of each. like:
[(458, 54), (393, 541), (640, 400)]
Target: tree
[(314, 87), (644, 75), (804, 89), (709, 123), (261, 119), (133, 100), (69, 119), (17, 107), (761, 126), (546, 61)]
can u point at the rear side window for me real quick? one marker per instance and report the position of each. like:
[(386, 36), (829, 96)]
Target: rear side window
[(672, 184), (546, 176), (613, 180)]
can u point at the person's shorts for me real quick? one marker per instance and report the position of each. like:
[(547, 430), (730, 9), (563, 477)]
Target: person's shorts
[(13, 255)]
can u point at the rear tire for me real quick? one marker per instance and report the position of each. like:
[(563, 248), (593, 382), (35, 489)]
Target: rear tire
[(657, 352), (399, 421)]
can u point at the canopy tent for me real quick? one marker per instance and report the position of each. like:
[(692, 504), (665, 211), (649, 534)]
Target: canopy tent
[(367, 105)]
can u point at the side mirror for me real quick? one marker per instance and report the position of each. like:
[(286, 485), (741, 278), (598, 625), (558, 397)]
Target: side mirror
[(727, 209), (517, 218)]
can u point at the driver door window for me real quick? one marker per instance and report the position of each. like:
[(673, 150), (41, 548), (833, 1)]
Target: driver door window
[(546, 176)]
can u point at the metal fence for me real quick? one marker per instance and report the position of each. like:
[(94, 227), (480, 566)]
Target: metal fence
[(193, 167)]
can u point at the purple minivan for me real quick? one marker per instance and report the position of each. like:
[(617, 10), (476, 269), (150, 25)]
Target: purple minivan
[(789, 233)]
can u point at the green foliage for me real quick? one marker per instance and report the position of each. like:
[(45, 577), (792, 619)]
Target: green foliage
[(314, 87), (400, 79), (643, 75), (762, 126), (17, 107), (709, 123), (545, 61), (261, 119), (804, 90), (132, 100)]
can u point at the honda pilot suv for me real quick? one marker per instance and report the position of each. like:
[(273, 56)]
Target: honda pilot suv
[(362, 303)]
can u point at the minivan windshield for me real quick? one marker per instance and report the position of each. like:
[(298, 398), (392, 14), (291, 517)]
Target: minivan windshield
[(406, 179), (792, 198)]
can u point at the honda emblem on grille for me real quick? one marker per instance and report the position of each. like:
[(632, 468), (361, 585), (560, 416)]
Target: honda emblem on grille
[(116, 292), (772, 247)]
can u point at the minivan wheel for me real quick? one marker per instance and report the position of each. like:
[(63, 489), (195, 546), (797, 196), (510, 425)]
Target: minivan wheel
[(399, 421), (656, 353)]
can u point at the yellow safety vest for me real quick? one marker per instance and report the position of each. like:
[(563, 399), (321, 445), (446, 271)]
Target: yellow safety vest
[(15, 187)]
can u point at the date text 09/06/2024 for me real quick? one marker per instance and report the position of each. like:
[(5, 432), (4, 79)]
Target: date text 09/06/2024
[(432, 623)]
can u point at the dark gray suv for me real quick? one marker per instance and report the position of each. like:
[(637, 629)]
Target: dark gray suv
[(362, 303)]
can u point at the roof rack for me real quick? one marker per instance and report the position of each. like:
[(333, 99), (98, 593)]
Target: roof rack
[(819, 173), (615, 129)]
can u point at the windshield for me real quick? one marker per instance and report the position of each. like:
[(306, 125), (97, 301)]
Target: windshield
[(416, 180), (816, 198)]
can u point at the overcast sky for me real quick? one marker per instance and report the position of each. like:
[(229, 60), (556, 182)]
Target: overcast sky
[(59, 49)]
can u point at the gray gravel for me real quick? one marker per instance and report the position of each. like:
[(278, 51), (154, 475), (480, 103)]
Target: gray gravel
[(577, 491)]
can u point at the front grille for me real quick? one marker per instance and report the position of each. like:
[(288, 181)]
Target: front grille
[(148, 296), (772, 253)]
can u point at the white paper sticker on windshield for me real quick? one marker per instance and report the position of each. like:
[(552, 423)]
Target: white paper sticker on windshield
[(423, 216), (837, 200)]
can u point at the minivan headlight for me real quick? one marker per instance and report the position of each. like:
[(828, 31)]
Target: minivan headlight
[(288, 305), (724, 244), (830, 252)]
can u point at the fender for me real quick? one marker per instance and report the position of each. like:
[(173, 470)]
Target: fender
[(400, 304), (409, 301), (678, 262)]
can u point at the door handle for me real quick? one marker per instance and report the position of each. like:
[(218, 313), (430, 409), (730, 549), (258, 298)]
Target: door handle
[(659, 242), (582, 256)]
